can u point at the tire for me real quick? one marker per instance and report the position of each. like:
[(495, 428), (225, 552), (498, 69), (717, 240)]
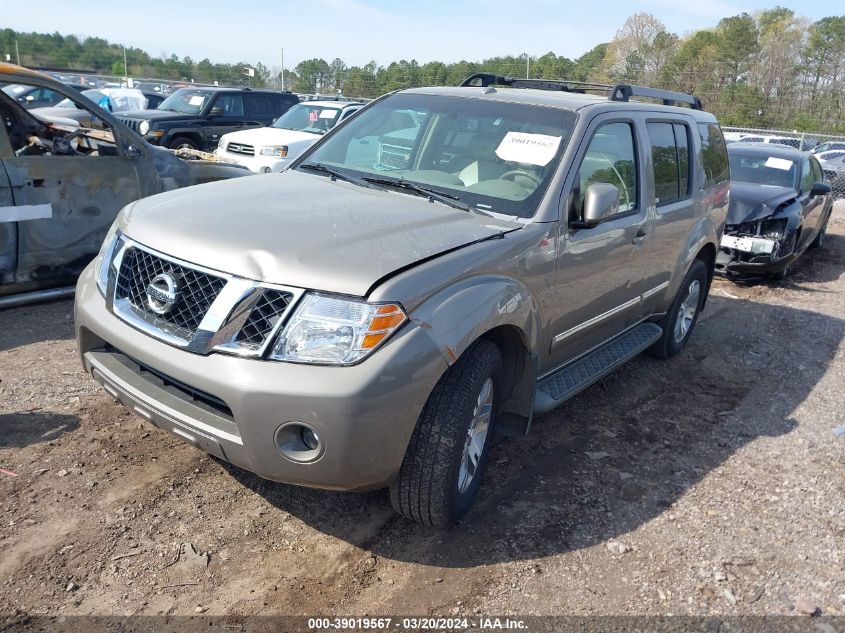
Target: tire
[(675, 336), (183, 141), (818, 240), (435, 486)]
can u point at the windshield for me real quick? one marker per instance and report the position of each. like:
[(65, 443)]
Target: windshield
[(308, 117), (186, 101), (490, 154), (764, 170)]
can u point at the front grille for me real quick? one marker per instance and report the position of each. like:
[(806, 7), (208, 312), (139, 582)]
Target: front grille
[(196, 291), (241, 148), (130, 123), (263, 318)]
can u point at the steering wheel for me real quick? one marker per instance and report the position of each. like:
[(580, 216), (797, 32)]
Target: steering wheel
[(521, 172)]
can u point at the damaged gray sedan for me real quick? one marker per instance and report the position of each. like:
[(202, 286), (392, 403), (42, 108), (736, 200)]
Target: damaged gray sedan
[(62, 184), (780, 206)]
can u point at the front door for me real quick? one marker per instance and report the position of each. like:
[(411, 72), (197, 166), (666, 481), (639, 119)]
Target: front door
[(226, 114), (67, 185), (597, 288)]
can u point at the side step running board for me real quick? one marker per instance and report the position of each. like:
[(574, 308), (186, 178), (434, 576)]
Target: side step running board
[(575, 377)]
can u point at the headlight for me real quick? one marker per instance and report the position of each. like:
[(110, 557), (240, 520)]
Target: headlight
[(105, 256), (774, 229), (144, 127), (336, 331), (280, 150)]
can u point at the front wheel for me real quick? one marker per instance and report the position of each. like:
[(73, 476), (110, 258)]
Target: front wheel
[(818, 241), (683, 315), (445, 459), (183, 142)]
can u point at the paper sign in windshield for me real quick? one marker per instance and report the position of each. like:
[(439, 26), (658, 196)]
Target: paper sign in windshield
[(328, 114), (779, 163), (533, 149), (312, 116), (196, 100)]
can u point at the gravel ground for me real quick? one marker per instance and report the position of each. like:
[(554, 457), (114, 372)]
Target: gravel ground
[(708, 484)]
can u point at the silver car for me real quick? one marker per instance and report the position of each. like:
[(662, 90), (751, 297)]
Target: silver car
[(413, 284)]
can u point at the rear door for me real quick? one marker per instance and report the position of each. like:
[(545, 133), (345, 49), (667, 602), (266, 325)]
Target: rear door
[(259, 110), (670, 145), (67, 189)]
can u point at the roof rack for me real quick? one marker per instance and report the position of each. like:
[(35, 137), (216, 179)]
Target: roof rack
[(483, 80), (624, 92), (619, 92)]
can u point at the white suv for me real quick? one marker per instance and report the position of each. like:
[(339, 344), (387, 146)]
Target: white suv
[(269, 149)]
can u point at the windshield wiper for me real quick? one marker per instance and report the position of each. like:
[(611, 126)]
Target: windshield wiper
[(335, 173), (432, 194)]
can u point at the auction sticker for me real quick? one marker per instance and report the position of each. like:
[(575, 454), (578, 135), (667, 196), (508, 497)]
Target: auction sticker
[(779, 163), (533, 149)]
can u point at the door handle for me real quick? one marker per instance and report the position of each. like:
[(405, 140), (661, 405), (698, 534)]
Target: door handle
[(640, 236)]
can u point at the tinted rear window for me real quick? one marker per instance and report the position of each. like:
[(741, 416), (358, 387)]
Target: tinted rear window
[(714, 154)]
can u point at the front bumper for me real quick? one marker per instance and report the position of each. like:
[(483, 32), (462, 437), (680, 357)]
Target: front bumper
[(231, 407), (755, 256), (257, 164)]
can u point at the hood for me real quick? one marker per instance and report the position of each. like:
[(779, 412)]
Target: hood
[(264, 136), (156, 115), (751, 202), (175, 172), (303, 230)]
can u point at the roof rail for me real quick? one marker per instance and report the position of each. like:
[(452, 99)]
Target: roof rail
[(619, 92), (624, 92), (483, 80)]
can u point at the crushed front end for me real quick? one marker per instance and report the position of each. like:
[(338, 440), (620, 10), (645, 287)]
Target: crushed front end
[(759, 248)]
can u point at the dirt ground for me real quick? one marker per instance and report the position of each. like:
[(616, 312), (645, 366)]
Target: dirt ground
[(721, 491)]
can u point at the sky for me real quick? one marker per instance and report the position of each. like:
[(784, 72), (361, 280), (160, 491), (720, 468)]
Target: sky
[(358, 31)]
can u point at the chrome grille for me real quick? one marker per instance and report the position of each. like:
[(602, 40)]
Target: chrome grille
[(197, 290), (241, 148), (263, 318)]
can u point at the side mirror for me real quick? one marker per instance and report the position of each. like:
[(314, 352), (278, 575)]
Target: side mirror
[(601, 202), (216, 111), (29, 98), (132, 152), (820, 189)]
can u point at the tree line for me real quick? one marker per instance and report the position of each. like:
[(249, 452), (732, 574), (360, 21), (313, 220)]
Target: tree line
[(771, 69)]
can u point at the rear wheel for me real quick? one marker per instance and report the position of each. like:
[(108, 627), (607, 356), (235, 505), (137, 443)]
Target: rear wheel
[(683, 315), (445, 459)]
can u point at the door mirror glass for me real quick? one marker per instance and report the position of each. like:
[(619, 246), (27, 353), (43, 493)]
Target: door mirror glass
[(601, 202)]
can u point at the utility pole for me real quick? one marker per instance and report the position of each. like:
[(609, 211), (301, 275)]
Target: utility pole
[(125, 66), (17, 52), (527, 63), (283, 68)]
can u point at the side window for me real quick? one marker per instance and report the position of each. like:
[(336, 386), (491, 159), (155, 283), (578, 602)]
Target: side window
[(807, 178), (231, 105), (610, 158), (818, 174), (258, 105), (714, 154), (670, 158), (70, 137), (683, 144)]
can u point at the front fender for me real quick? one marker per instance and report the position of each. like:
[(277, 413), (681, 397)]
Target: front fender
[(459, 314)]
